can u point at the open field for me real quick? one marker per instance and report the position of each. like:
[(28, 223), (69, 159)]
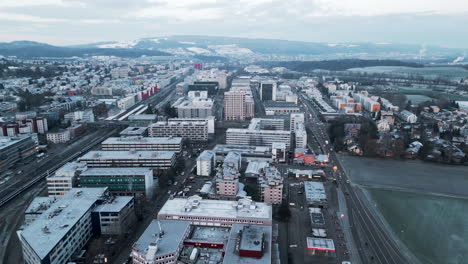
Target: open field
[(449, 73), (434, 228)]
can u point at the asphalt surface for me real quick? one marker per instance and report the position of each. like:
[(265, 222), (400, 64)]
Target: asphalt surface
[(373, 239)]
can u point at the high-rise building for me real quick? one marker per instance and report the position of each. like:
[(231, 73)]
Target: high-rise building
[(271, 186), (268, 90), (235, 105), (206, 163)]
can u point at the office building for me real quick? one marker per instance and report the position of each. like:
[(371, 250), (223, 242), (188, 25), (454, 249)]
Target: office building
[(63, 229), (280, 108), (64, 179), (182, 242), (161, 242), (120, 181), (248, 153), (142, 120), (115, 217), (261, 132), (194, 107), (279, 151), (143, 143), (134, 131), (160, 160), (268, 90), (205, 212), (15, 149), (206, 163), (190, 130)]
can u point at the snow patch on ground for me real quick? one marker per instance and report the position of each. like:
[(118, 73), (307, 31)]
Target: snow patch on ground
[(199, 50), (122, 45), (231, 49)]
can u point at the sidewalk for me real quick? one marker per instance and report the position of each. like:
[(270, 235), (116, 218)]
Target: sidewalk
[(345, 226)]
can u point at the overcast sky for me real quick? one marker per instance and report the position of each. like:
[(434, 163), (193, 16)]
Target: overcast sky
[(64, 22)]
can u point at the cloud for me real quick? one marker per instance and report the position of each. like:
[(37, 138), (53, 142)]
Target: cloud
[(28, 18), (420, 21)]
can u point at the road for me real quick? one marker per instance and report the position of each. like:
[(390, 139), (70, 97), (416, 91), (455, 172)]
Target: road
[(374, 241)]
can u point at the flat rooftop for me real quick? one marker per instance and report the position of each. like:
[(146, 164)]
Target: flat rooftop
[(142, 140), (210, 233), (174, 232), (115, 205), (242, 149), (231, 253), (206, 155), (6, 142), (117, 154), (116, 171), (133, 131), (251, 238), (217, 208), (50, 227), (323, 244), (315, 191), (39, 205), (143, 117), (68, 169)]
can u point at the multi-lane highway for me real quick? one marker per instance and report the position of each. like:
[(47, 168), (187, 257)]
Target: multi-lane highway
[(375, 243)]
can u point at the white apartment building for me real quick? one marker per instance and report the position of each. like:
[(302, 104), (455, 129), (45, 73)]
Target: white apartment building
[(206, 163), (58, 137), (190, 130), (227, 177), (126, 102), (271, 186), (261, 132), (300, 135), (294, 118)]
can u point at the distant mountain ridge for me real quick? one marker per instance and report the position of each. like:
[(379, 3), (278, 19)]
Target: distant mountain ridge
[(231, 47)]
